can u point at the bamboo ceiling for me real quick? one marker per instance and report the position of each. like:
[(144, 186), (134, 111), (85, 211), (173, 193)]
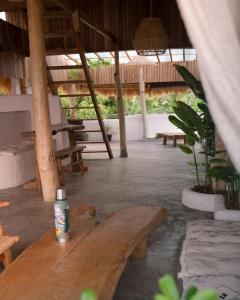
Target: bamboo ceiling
[(119, 17)]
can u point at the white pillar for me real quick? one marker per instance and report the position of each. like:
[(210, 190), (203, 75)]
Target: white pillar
[(143, 103)]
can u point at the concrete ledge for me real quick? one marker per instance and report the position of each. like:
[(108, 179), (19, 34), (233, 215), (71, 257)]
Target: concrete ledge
[(200, 201), (209, 202), (223, 214)]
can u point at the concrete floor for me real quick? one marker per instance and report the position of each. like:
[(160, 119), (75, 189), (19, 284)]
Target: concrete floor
[(152, 175)]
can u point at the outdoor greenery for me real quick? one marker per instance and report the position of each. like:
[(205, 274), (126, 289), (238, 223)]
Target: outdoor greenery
[(168, 291), (109, 109)]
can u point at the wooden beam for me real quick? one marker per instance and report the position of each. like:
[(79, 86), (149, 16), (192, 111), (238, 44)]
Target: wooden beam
[(69, 67), (50, 81), (158, 57), (58, 34), (128, 56), (184, 58), (77, 62), (121, 107), (170, 53), (44, 143), (68, 5), (99, 57)]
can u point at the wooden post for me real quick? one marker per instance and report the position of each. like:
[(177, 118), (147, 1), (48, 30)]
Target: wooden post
[(143, 103), (121, 108), (44, 144)]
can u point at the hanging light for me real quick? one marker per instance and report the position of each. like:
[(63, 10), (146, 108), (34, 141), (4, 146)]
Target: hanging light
[(150, 37)]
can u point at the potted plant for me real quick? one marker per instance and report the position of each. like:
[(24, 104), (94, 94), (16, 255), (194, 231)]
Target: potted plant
[(109, 132), (200, 132)]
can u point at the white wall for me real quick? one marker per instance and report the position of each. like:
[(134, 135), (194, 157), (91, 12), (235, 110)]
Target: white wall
[(134, 128), (20, 103)]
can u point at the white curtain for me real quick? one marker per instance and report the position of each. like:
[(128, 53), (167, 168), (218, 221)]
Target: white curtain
[(214, 29)]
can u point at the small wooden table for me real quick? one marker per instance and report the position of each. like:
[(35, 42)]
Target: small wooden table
[(172, 136), (55, 129)]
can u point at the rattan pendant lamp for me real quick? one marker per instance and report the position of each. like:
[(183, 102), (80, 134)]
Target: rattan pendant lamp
[(150, 37)]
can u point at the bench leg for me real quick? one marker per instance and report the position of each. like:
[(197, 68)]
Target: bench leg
[(164, 140), (5, 257), (83, 169), (141, 250), (60, 171), (174, 141)]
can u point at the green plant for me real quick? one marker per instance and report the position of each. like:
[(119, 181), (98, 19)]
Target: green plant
[(198, 127), (169, 291), (225, 171)]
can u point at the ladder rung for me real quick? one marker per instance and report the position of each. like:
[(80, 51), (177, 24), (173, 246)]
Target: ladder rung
[(90, 130), (67, 67), (81, 107), (75, 95), (90, 142), (95, 151), (69, 81)]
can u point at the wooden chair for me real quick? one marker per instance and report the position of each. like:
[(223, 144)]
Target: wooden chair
[(94, 257), (6, 242), (76, 164)]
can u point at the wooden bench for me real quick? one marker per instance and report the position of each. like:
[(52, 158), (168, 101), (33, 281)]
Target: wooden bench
[(6, 241), (95, 257), (75, 153), (171, 136)]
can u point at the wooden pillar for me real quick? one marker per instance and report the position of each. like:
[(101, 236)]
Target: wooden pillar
[(44, 144), (121, 108), (143, 103)]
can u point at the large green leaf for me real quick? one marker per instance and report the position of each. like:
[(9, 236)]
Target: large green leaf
[(186, 149), (169, 288), (194, 120), (175, 121), (190, 292), (194, 84)]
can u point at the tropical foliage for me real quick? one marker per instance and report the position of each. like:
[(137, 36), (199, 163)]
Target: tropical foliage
[(198, 127), (168, 291), (109, 109)]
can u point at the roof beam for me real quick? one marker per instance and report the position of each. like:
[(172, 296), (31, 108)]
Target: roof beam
[(128, 56), (158, 57), (69, 6), (170, 53), (99, 57), (77, 62)]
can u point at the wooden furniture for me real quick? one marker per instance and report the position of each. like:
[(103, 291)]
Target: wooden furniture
[(67, 153), (95, 257), (6, 241), (54, 129), (171, 136)]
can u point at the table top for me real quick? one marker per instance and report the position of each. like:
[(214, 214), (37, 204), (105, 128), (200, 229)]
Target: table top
[(56, 128), (65, 127)]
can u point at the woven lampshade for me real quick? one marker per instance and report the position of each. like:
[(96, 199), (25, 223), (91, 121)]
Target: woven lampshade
[(150, 37)]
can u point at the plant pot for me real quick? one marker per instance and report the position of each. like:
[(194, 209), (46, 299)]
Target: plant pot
[(201, 201), (223, 214), (109, 136)]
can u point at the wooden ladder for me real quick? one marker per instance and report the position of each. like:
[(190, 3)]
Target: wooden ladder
[(53, 86)]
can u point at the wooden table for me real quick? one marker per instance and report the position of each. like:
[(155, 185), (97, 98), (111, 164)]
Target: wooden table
[(55, 129), (172, 136), (94, 257)]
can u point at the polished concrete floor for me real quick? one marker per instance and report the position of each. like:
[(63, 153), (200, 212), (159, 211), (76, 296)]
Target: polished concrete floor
[(152, 175)]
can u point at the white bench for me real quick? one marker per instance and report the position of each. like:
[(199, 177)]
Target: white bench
[(17, 163)]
